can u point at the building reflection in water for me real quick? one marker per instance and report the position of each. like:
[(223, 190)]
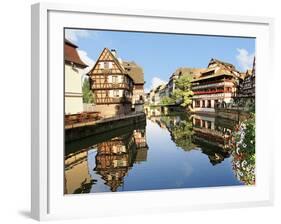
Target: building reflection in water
[(213, 135), (113, 160), (208, 134), (77, 176), (102, 163)]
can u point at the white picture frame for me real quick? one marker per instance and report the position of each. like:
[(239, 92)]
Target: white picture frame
[(48, 201)]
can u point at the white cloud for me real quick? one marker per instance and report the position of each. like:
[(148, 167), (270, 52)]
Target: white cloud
[(146, 90), (156, 82), (74, 35), (85, 57), (87, 60), (245, 60)]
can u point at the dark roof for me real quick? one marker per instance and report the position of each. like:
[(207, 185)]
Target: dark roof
[(213, 60), (193, 72), (70, 43), (71, 55), (134, 71), (212, 76)]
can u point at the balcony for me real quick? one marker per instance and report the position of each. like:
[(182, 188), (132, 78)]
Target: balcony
[(213, 84), (97, 86), (212, 95), (210, 92), (113, 100)]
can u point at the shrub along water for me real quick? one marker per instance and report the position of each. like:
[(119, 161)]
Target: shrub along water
[(243, 144)]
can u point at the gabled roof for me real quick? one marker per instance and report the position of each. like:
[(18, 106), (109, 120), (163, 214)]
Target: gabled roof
[(134, 71), (218, 73), (210, 76), (213, 60), (71, 55), (116, 61), (207, 70), (194, 72), (226, 66)]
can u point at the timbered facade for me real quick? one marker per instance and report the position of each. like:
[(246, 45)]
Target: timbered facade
[(136, 73), (114, 160), (112, 87), (247, 87), (217, 85)]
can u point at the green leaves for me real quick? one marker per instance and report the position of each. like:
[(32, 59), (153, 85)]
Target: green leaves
[(182, 135), (183, 91), (244, 151), (167, 101), (87, 93)]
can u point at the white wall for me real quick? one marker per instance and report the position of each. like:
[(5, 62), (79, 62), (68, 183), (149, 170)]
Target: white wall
[(73, 81), (73, 90), (15, 122)]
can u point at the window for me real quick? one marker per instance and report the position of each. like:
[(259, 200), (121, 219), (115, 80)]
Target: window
[(116, 93), (197, 122), (216, 103), (106, 64), (197, 103), (114, 79), (209, 103), (203, 104), (122, 78)]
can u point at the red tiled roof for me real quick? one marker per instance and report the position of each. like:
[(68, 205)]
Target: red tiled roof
[(71, 54)]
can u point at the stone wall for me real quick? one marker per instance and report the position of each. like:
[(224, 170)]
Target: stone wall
[(103, 126), (111, 110)]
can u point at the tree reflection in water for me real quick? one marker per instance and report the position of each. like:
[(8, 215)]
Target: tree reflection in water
[(198, 133), (180, 128), (217, 138), (118, 159)]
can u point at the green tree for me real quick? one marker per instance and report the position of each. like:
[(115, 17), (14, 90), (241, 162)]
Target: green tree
[(167, 101), (87, 93), (183, 91)]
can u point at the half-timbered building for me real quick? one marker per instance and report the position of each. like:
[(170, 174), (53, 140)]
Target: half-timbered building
[(217, 85), (136, 73), (247, 87), (111, 85)]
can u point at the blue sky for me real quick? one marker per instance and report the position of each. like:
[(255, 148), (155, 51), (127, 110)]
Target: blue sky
[(161, 54)]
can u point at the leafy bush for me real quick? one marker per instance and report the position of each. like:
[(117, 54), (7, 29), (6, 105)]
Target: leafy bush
[(244, 151)]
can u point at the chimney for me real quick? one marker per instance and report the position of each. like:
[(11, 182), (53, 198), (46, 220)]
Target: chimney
[(113, 51)]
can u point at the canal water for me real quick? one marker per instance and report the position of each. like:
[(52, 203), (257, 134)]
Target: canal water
[(165, 152)]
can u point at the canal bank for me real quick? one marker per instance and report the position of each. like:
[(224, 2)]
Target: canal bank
[(232, 114), (83, 130)]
